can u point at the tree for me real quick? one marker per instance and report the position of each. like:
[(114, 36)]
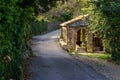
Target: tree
[(46, 5), (106, 21)]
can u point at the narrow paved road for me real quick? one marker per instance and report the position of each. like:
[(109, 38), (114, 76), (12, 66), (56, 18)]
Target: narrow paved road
[(53, 63)]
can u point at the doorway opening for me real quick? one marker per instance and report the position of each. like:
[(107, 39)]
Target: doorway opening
[(79, 42)]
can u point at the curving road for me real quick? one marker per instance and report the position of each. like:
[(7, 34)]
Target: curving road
[(53, 63)]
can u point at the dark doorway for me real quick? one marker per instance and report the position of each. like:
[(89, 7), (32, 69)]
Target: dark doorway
[(79, 42), (98, 43)]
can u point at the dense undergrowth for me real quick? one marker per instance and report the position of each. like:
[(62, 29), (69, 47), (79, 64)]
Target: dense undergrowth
[(39, 26)]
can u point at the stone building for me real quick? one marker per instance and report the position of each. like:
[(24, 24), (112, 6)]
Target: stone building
[(76, 36)]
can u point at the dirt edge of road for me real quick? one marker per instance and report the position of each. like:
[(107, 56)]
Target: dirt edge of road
[(109, 69)]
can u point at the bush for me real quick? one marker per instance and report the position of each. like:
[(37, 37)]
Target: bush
[(13, 26), (106, 22), (67, 15), (38, 27)]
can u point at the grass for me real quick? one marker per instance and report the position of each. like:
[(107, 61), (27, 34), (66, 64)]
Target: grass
[(96, 55), (100, 56)]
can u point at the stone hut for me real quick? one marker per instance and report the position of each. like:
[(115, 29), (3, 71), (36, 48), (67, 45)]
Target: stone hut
[(76, 36)]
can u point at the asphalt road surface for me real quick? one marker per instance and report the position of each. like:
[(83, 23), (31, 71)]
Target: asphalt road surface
[(54, 63)]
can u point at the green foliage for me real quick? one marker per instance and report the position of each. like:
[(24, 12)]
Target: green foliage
[(34, 4), (39, 26), (13, 27), (106, 21), (67, 15), (117, 62), (39, 6), (47, 4)]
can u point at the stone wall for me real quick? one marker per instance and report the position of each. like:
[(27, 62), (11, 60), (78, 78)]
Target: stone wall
[(64, 32)]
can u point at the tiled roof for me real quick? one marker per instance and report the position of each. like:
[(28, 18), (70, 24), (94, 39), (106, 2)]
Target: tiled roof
[(76, 22)]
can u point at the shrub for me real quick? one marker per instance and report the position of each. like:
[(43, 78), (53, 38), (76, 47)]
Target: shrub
[(13, 27), (38, 26), (106, 22)]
